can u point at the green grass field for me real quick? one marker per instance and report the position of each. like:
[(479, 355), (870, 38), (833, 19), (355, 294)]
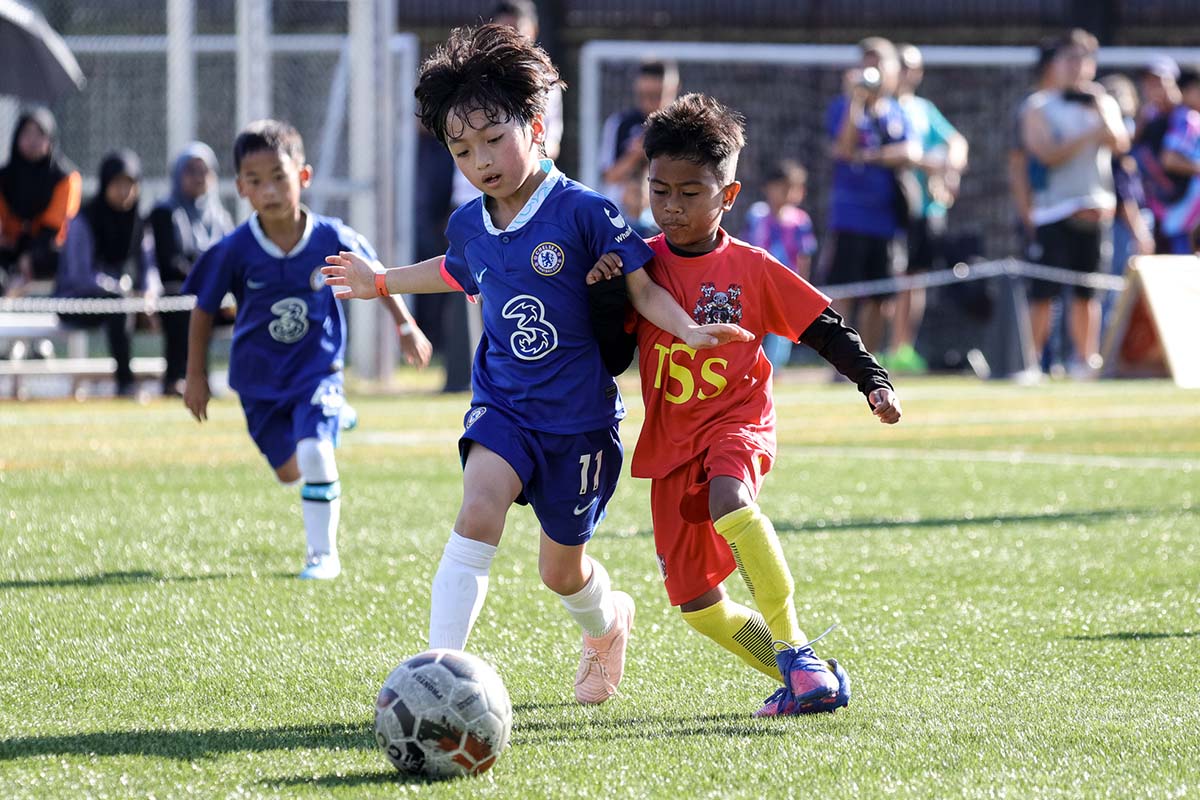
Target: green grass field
[(1015, 573)]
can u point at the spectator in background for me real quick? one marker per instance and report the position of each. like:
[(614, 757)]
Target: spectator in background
[(182, 227), (871, 141), (1168, 152), (778, 225), (635, 205), (1133, 226), (103, 256), (1160, 93), (1074, 129), (938, 174), (39, 195), (621, 154)]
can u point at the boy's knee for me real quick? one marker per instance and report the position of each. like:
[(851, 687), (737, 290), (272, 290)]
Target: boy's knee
[(726, 495), (564, 577)]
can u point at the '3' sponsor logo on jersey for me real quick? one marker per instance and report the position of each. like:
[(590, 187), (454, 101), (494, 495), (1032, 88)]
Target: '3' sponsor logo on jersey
[(534, 337)]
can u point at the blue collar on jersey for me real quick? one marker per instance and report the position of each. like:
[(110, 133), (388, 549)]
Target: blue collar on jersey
[(531, 205), (274, 250)]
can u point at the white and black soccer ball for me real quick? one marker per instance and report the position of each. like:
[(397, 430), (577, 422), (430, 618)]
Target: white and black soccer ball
[(442, 714)]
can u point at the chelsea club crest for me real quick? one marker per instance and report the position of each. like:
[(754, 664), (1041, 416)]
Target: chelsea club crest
[(547, 259)]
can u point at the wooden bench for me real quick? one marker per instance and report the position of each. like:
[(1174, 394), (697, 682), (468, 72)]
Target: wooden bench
[(78, 369)]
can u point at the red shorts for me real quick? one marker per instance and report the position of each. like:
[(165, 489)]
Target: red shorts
[(692, 556)]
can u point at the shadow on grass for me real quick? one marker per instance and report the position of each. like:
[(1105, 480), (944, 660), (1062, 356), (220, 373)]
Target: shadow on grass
[(644, 728), (1134, 636), (378, 778), (107, 579), (876, 523), (189, 745)]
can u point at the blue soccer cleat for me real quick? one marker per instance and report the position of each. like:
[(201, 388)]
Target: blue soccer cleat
[(810, 685)]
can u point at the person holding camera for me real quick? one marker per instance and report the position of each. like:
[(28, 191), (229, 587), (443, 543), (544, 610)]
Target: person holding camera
[(1073, 128), (872, 142)]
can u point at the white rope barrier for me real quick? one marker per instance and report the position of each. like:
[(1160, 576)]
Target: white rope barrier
[(960, 273)]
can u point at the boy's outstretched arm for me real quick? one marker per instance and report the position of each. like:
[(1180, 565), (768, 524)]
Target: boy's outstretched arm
[(351, 275), (196, 392), (656, 304), (840, 345), (414, 346)]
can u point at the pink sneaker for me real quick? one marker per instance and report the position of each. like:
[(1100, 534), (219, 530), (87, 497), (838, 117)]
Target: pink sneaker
[(603, 661)]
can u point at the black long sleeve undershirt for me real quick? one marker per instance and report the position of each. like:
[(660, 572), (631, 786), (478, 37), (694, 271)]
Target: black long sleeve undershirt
[(841, 346)]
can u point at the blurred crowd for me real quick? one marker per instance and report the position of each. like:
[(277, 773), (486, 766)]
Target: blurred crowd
[(1099, 171)]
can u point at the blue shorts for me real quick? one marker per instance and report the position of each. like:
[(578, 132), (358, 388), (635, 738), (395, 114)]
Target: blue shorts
[(277, 424), (568, 479)]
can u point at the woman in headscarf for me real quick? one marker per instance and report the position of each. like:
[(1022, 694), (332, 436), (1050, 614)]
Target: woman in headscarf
[(39, 195), (183, 226), (104, 258)]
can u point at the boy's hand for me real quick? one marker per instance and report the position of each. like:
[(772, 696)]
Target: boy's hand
[(353, 273), (700, 337), (415, 348), (196, 395), (608, 267), (885, 405)]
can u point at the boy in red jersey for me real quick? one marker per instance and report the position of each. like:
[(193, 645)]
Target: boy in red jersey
[(709, 435)]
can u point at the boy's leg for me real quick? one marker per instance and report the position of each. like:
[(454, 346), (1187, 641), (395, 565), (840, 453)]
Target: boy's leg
[(574, 478), (740, 630), (490, 485), (315, 431), (758, 553), (695, 561)]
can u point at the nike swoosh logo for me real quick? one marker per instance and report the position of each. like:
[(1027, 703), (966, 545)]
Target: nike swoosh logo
[(618, 221), (255, 285), (479, 276), (581, 511)]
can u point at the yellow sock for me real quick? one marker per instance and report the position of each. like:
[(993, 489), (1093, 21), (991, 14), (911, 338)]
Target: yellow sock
[(739, 630), (760, 562)]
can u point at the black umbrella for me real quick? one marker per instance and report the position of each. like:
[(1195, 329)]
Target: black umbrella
[(35, 62)]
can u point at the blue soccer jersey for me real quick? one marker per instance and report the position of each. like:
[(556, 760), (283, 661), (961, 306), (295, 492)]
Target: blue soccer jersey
[(538, 358), (290, 330)]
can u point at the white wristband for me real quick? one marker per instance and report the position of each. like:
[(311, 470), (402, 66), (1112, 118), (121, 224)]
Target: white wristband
[(405, 328)]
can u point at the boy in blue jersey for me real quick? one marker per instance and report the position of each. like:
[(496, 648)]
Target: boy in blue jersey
[(542, 428), (290, 331)]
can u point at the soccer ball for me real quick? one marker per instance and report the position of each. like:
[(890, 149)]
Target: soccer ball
[(443, 714)]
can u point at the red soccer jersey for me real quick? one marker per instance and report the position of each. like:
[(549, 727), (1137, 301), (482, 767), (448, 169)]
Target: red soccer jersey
[(691, 395)]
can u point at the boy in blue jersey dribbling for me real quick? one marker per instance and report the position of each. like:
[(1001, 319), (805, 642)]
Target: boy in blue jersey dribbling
[(289, 335), (542, 428)]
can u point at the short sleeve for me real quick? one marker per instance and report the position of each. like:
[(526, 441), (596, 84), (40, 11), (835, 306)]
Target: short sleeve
[(606, 231), (455, 266), (792, 303), (211, 278), (1183, 133), (940, 128)]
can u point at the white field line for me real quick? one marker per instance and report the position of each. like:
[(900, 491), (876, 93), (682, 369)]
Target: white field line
[(999, 457)]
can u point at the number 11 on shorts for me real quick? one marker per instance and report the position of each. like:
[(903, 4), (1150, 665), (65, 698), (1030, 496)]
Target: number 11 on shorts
[(585, 462)]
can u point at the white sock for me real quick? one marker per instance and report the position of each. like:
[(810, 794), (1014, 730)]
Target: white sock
[(321, 523), (592, 606), (459, 588)]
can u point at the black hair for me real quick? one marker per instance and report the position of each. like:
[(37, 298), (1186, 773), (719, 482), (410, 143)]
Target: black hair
[(698, 129), (1188, 76), (785, 170), (521, 9), (268, 134), (490, 68), (657, 69)]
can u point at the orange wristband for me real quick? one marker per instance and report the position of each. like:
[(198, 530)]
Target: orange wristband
[(381, 284)]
